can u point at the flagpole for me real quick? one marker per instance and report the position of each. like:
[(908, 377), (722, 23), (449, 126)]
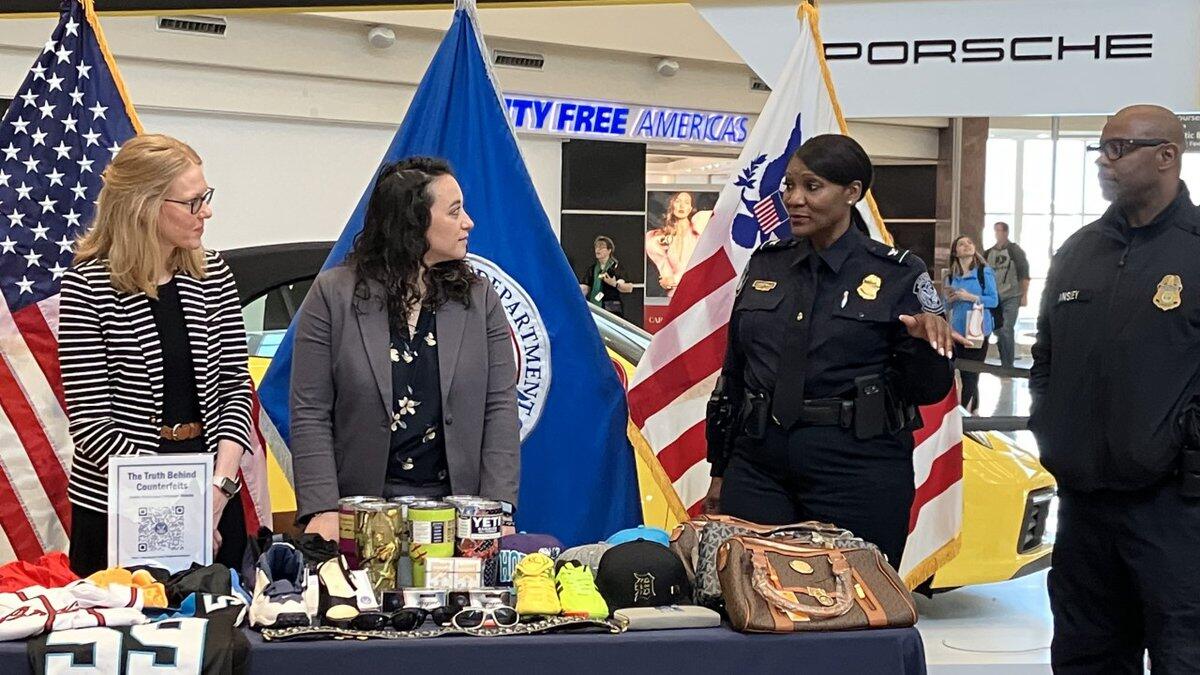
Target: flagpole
[(808, 12), (89, 11)]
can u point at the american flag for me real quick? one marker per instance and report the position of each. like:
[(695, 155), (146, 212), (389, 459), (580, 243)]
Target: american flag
[(65, 125), (670, 390), (770, 213)]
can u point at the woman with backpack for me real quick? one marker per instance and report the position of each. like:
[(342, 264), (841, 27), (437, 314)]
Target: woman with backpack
[(971, 295)]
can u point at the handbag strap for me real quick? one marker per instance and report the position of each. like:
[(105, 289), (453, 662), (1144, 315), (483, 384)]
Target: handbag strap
[(842, 596)]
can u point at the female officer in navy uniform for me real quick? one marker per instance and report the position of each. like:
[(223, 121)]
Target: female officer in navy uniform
[(834, 339)]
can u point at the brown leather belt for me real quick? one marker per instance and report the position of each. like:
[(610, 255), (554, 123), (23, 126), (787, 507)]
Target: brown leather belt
[(182, 432)]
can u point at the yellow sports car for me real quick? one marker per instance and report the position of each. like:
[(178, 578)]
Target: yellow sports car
[(1007, 493)]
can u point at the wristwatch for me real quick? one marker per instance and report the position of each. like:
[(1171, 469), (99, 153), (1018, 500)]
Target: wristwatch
[(228, 486)]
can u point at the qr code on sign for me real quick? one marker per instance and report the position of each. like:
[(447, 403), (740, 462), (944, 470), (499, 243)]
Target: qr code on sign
[(160, 529)]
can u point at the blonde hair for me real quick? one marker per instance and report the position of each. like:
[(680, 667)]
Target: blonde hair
[(125, 229)]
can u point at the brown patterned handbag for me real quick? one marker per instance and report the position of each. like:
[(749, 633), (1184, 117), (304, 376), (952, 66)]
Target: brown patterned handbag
[(785, 585), (697, 541)]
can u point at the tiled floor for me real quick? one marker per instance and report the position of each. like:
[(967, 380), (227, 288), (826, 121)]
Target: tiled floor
[(998, 628)]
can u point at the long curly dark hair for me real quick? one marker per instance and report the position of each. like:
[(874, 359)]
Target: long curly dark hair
[(392, 245)]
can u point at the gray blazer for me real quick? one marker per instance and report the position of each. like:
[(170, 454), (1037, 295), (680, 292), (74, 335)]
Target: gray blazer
[(341, 407)]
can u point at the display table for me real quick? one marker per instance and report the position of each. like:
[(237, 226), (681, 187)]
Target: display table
[(709, 650)]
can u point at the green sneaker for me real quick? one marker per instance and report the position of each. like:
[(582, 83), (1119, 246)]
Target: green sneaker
[(534, 583), (577, 592)]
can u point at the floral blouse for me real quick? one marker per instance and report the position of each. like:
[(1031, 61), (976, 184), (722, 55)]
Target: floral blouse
[(418, 449)]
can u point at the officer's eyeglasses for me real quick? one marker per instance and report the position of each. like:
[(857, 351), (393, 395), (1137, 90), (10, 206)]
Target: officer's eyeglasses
[(1116, 148), (196, 203)]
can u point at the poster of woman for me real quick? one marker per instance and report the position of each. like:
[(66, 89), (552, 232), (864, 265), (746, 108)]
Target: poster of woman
[(674, 221)]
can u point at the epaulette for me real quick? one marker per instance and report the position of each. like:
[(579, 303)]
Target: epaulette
[(776, 245), (896, 255)]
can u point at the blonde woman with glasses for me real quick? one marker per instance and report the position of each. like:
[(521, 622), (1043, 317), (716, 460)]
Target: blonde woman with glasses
[(151, 343)]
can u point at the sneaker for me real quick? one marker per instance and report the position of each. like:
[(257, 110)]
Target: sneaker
[(534, 582), (338, 602), (577, 592), (279, 580)]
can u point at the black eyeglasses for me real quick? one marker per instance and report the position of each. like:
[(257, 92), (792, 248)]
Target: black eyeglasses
[(195, 204), (409, 618), (1116, 148)]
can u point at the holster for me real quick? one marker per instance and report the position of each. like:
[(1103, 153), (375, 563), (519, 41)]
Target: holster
[(721, 427), (1189, 456), (756, 415), (878, 409)]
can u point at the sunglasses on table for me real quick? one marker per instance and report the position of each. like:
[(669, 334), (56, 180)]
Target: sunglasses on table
[(1116, 148), (411, 618), (196, 203)]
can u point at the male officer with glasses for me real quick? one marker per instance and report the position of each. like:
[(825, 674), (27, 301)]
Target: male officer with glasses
[(1116, 385)]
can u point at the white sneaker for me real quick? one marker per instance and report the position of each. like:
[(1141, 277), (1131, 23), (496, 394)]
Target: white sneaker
[(279, 581), (338, 602)]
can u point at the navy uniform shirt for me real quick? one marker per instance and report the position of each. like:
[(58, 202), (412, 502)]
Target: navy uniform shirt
[(1118, 350), (838, 309)]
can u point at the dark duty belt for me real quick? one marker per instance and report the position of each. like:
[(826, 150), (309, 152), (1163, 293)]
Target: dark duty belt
[(831, 412)]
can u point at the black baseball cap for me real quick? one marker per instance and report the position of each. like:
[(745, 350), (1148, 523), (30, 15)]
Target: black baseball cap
[(642, 574)]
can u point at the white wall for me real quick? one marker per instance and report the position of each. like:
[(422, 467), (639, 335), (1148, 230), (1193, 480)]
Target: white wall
[(277, 180), (543, 158), (292, 113), (281, 180)]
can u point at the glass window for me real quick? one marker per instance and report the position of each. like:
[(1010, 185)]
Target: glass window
[(268, 316), (1093, 201), (1020, 174), (1000, 186), (1191, 172), (1069, 176), (1035, 239), (1035, 175)]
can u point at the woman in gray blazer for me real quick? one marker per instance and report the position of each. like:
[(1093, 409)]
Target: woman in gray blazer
[(403, 377)]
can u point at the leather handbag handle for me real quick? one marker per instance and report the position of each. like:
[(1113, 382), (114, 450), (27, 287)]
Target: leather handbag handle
[(842, 597)]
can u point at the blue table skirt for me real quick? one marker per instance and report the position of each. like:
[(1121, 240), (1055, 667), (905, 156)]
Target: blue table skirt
[(672, 652)]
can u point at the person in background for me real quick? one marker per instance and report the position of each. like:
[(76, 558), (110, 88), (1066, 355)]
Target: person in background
[(1115, 387), (151, 343), (1011, 269), (971, 283), (834, 339), (602, 282), (404, 377)]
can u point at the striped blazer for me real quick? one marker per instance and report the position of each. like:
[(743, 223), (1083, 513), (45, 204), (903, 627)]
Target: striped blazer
[(111, 360)]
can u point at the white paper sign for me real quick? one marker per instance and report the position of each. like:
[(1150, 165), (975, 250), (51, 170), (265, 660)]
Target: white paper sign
[(160, 510)]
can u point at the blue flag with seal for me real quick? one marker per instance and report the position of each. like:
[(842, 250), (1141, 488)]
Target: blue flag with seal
[(578, 477)]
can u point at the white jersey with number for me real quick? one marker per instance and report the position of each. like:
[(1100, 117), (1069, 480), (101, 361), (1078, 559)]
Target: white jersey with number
[(81, 604)]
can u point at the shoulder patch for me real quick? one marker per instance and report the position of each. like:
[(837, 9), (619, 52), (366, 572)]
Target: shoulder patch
[(927, 294)]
